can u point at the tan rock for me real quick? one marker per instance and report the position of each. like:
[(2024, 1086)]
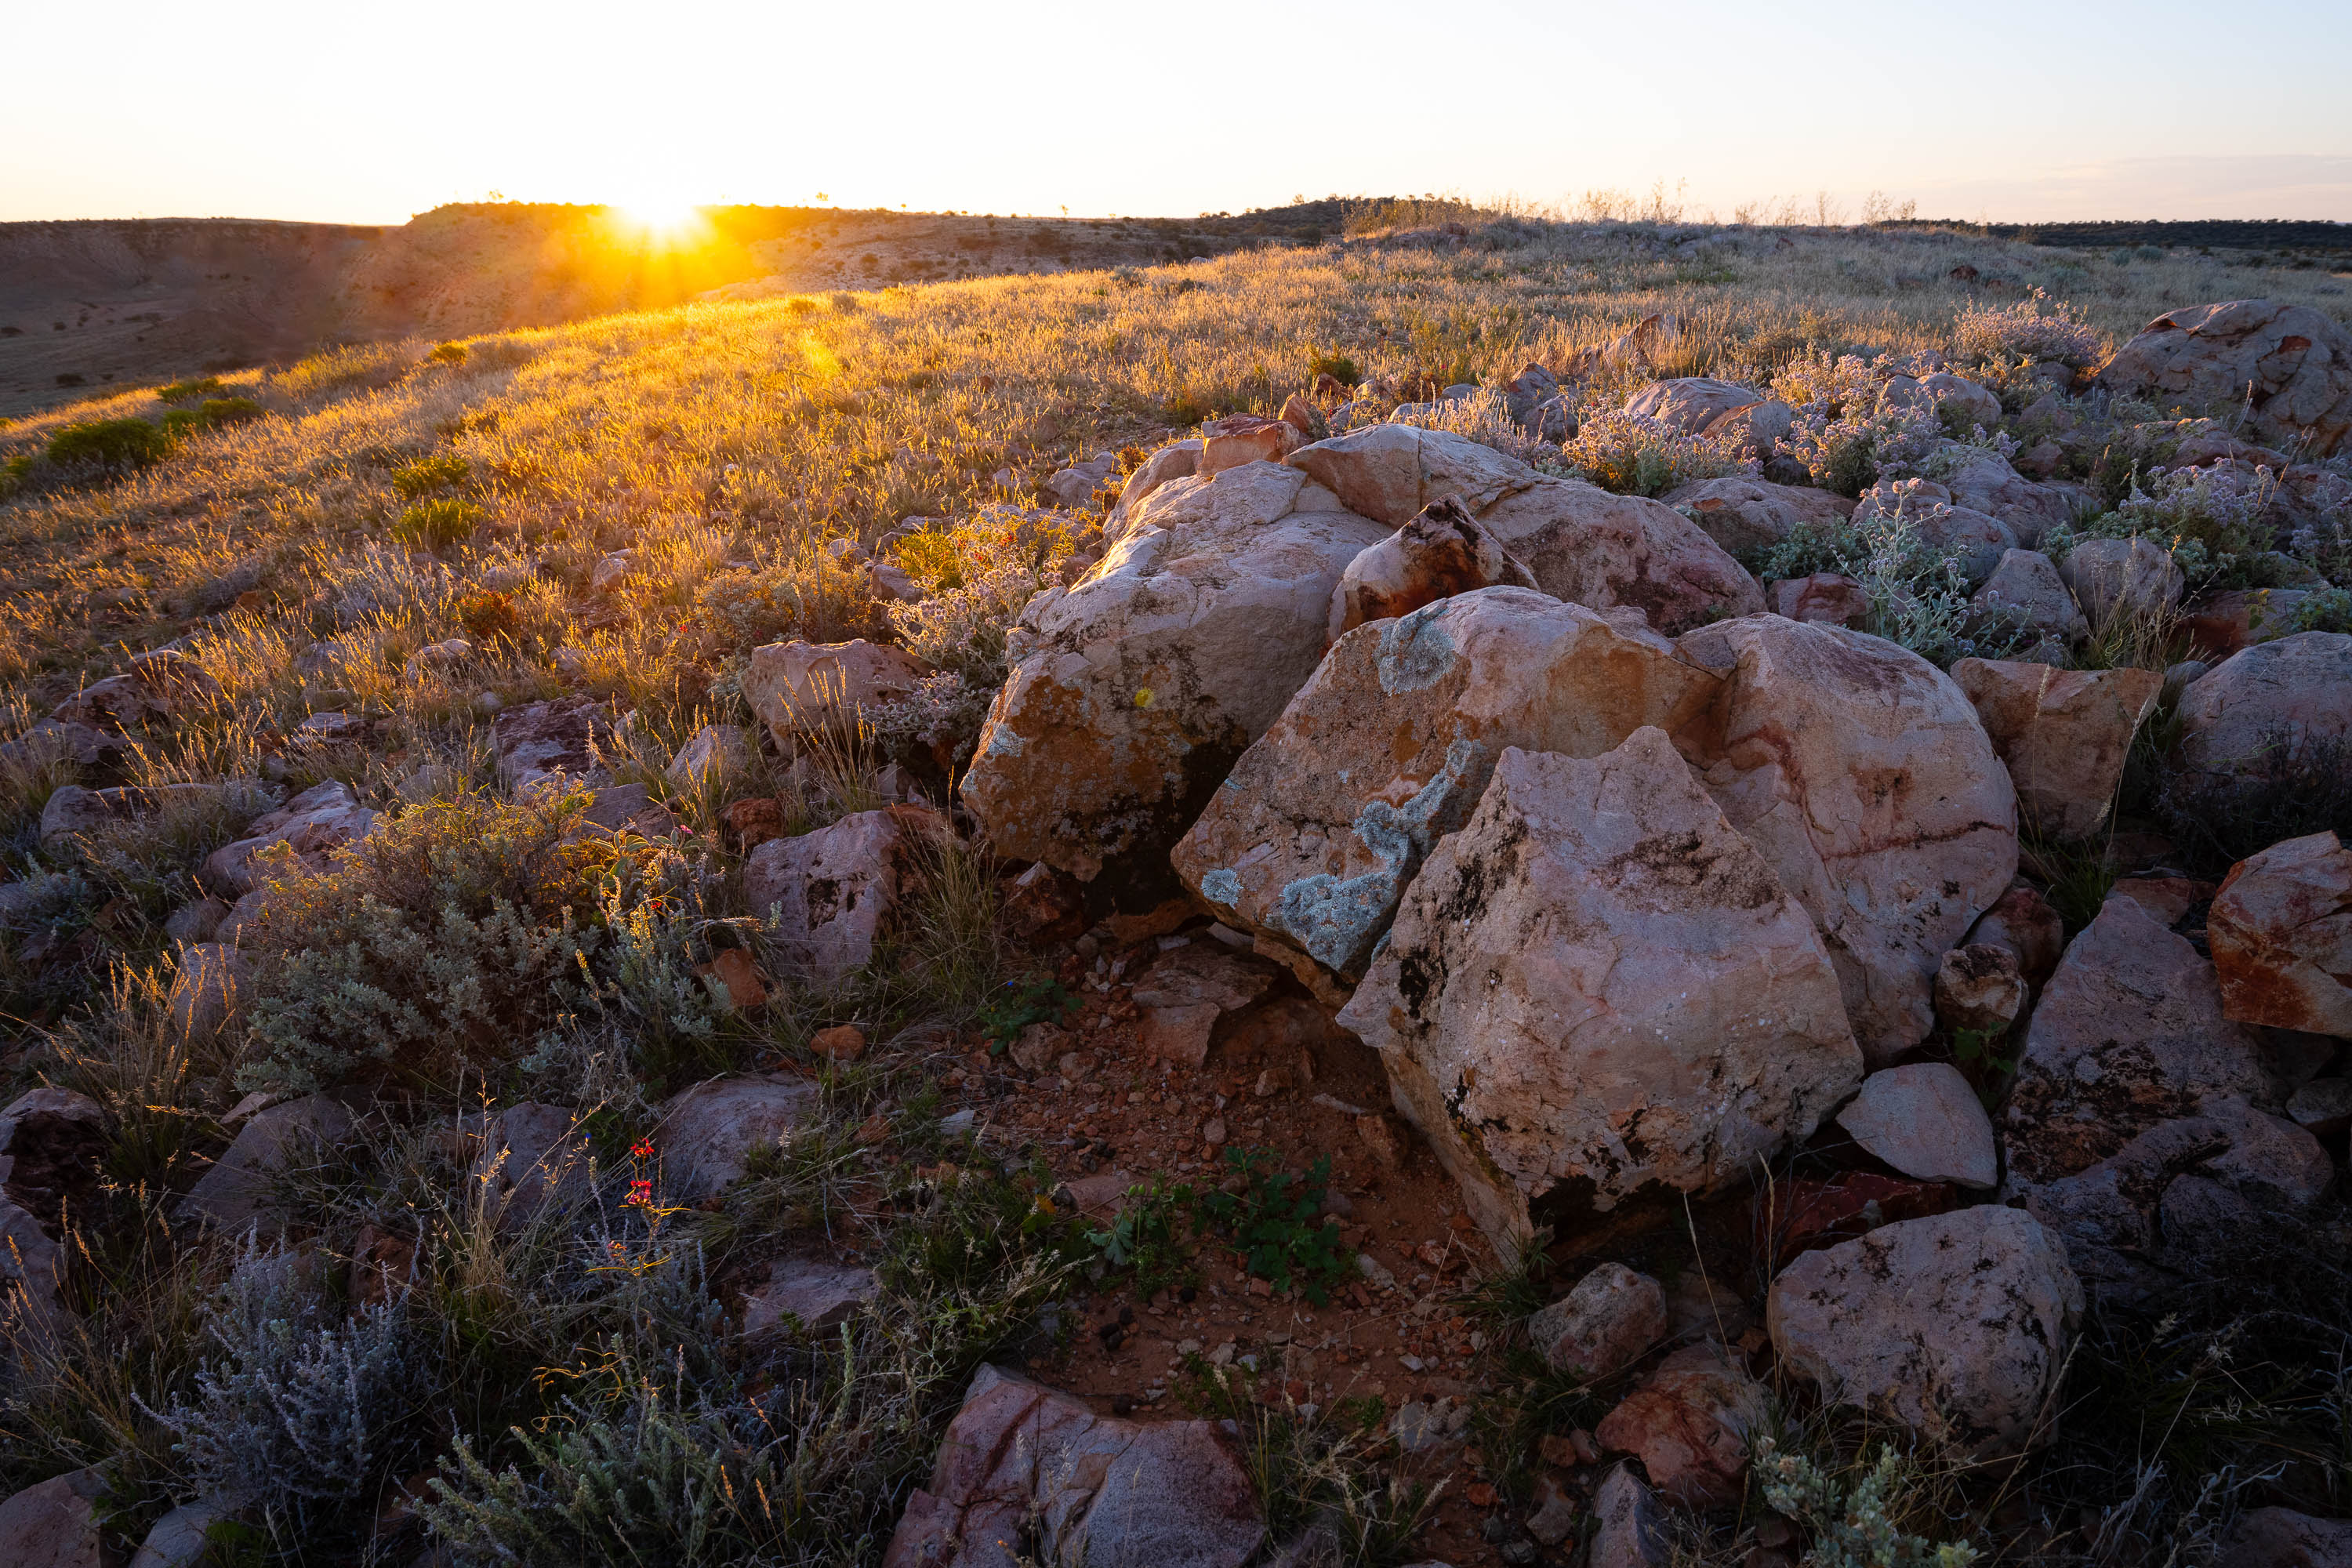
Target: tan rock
[(1326, 818), (1239, 438), (1443, 551), (1183, 995), (542, 743), (1689, 1424), (796, 686), (2290, 363), (2064, 734), (2287, 693), (1180, 461), (1600, 550), (1983, 481), (1831, 597), (1596, 989), (1389, 473), (1862, 775), (2280, 934), (277, 1139), (1747, 516), (1955, 1326), (1981, 987), (836, 892)]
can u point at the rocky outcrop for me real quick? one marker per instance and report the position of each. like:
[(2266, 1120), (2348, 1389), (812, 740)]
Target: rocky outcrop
[(1325, 820), (1239, 438), (2272, 696), (796, 686), (2064, 734), (1861, 773), (2281, 934), (836, 893), (1748, 516), (1021, 1463), (1597, 989), (1133, 692), (2291, 363), (1955, 1326), (1923, 1120), (1443, 551)]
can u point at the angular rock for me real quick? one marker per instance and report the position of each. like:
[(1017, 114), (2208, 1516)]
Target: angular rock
[(1389, 473), (716, 755), (2021, 921), (52, 740), (1981, 987), (836, 892), (1136, 688), (2282, 1537), (2291, 363), (542, 743), (815, 1294), (1591, 547), (630, 808), (1628, 1531), (2286, 694), (2110, 577), (2281, 935), (1184, 995), (1923, 1120), (1831, 597), (1688, 1424), (1691, 403), (2128, 1033), (1952, 396), (54, 1523), (707, 1131), (315, 824), (1954, 1326), (1863, 776), (1596, 989), (1239, 438), (1984, 482), (1749, 516), (529, 1156), (212, 983), (1108, 1493), (1325, 820), (1180, 461), (2026, 590), (1443, 551), (1602, 1326), (797, 686), (230, 1195), (2064, 734), (1073, 487)]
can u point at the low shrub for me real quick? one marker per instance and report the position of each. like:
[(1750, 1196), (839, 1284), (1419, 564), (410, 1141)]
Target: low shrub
[(1641, 456), (2035, 327), (190, 391), (214, 413), (114, 444), (2213, 521), (448, 354), (1918, 595), (438, 524), (426, 475)]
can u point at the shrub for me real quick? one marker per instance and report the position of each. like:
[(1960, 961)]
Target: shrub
[(190, 391), (2323, 610), (2035, 327), (429, 474), (448, 354), (1918, 595), (110, 444), (812, 597), (1855, 1522), (1636, 456), (2213, 520), (487, 615), (1339, 367), (1848, 453), (438, 524), (212, 412)]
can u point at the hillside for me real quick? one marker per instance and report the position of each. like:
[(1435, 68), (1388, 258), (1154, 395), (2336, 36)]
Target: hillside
[(1483, 891)]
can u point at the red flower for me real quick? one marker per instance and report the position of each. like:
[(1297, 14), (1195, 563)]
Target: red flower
[(641, 1194), (643, 1148)]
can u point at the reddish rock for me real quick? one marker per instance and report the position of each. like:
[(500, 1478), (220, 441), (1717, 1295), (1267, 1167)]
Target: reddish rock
[(1239, 438), (1801, 1213), (2281, 932), (1443, 551), (753, 820), (1829, 596), (842, 1043), (2022, 920), (2063, 733), (1688, 1424)]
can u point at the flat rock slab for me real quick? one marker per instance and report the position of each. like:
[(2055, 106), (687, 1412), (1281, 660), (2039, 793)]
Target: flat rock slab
[(707, 1131), (1925, 1119)]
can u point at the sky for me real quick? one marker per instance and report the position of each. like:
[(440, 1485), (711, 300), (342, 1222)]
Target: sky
[(1997, 110)]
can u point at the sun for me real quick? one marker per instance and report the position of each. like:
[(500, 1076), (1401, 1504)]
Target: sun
[(663, 215)]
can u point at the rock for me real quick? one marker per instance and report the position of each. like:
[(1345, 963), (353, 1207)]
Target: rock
[(1424, 1428), (889, 582), (2121, 576), (707, 1131), (2021, 921), (1326, 818), (630, 808), (1628, 1531), (1603, 1325), (611, 572), (1109, 1493), (315, 824), (157, 685), (1688, 1424), (52, 739), (1981, 987), (212, 983), (541, 743), (1925, 1121), (841, 1043), (2281, 932), (796, 686), (1690, 403), (2293, 691), (1984, 482), (196, 921), (2128, 1033), (1956, 1326), (1863, 776), (1042, 905), (836, 892), (181, 1538), (331, 729), (1600, 550), (753, 820), (2178, 1199), (2323, 1106), (1643, 341), (716, 755), (816, 1295), (72, 810), (1075, 485), (1180, 461), (1527, 391), (1552, 1518), (1303, 418), (2064, 734), (1832, 598), (2290, 363), (1443, 551), (2026, 589), (1756, 432), (54, 1523), (1239, 438), (2220, 623), (1592, 946), (1389, 473), (1749, 516), (1139, 686), (231, 1193), (528, 1155), (1956, 397), (1186, 992), (2281, 1538), (447, 654)]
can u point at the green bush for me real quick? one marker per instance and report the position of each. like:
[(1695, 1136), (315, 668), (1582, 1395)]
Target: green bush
[(190, 391), (428, 475), (214, 413), (1274, 1222), (448, 354), (110, 444), (438, 524)]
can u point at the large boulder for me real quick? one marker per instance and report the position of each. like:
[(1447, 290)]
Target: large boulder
[(1597, 990), (2291, 363), (1861, 773), (1179, 460), (1745, 516), (1135, 691), (1691, 403), (1326, 818), (1953, 397), (2281, 934), (1593, 548), (836, 892), (796, 686), (2064, 734), (1955, 1326), (2286, 694), (314, 825), (55, 1523), (2111, 577), (1983, 481), (2128, 1033), (1443, 551), (2026, 591), (1022, 1462)]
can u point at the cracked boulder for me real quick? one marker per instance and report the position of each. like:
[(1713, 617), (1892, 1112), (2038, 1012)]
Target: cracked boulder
[(1597, 991), (1443, 551), (1955, 1326), (2064, 734), (1133, 691), (2290, 364), (1323, 822), (1029, 1474), (2281, 932), (1861, 773), (836, 893)]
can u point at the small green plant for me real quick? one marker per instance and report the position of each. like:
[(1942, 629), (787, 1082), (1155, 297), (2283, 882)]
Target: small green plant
[(1021, 1003), (448, 354), (212, 414), (1273, 1221), (1339, 367), (191, 391), (438, 524), (116, 443), (1148, 1237), (1850, 1521), (429, 474)]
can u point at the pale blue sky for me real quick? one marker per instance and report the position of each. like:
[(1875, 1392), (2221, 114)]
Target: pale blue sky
[(2008, 111)]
